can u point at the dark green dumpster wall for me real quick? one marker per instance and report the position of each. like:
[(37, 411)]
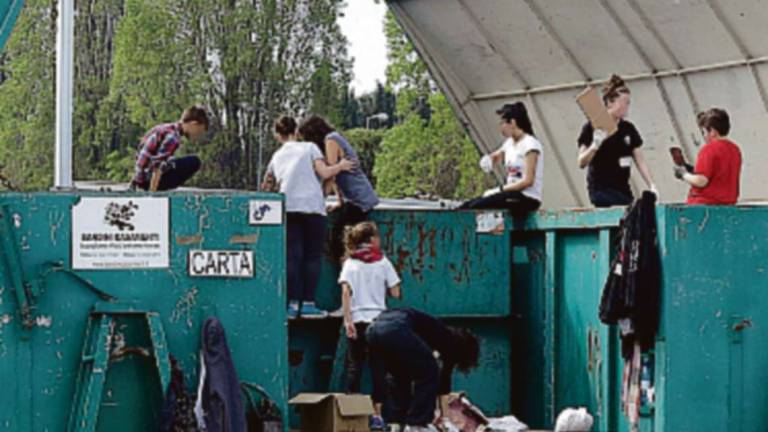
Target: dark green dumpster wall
[(449, 270), (38, 367)]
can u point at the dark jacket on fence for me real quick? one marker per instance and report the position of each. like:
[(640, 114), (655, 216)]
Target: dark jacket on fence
[(632, 290)]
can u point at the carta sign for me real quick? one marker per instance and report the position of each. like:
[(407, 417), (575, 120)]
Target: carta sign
[(221, 263)]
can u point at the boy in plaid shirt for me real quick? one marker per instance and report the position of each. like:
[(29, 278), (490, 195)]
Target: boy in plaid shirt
[(161, 142)]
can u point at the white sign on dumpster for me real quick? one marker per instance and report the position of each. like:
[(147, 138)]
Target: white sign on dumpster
[(221, 263), (120, 233), (265, 212)]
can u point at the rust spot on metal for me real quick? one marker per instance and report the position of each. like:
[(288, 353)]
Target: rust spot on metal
[(188, 240), (244, 239)]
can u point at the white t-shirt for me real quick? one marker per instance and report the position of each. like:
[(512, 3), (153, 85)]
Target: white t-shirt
[(369, 283), (515, 163), (293, 166)]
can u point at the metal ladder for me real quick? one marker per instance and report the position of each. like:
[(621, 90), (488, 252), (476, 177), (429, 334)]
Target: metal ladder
[(95, 359)]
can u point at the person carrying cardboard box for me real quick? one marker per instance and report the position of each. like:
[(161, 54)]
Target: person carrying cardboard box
[(609, 157), (404, 342)]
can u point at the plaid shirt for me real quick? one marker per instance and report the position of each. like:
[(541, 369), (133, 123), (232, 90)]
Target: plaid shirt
[(158, 145)]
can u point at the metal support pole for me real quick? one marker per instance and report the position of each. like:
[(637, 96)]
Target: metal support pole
[(65, 35)]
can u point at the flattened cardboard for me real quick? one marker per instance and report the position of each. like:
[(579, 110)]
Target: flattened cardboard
[(592, 105), (334, 412)]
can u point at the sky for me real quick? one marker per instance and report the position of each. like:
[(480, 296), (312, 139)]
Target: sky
[(363, 25)]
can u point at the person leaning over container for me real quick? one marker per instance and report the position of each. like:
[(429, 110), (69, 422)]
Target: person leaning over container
[(352, 188), (159, 145), (609, 158), (404, 342), (523, 158), (295, 168), (716, 178), (366, 278)]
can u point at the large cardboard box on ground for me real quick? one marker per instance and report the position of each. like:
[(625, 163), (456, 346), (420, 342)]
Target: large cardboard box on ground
[(333, 412)]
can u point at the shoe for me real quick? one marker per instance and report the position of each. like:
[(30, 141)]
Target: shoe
[(310, 311), (293, 310), (378, 424), (338, 313)]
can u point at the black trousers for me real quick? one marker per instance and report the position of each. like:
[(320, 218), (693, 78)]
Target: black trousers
[(305, 238), (348, 215), (414, 371), (516, 202), (182, 169), (610, 197), (358, 352)]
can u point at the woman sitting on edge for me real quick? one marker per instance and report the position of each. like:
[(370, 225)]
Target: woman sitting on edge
[(523, 159)]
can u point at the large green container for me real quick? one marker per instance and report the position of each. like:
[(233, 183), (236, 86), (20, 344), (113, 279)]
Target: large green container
[(43, 268)]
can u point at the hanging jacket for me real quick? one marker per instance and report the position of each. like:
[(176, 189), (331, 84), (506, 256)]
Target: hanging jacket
[(221, 402), (177, 413), (633, 287)]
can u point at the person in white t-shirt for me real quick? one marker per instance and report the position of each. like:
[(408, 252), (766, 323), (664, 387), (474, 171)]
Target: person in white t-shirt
[(523, 158), (367, 276), (296, 170)]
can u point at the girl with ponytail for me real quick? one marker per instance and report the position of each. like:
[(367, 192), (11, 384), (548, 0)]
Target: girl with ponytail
[(609, 158)]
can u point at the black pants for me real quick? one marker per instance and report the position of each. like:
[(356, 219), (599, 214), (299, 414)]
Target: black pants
[(306, 236), (413, 368), (348, 215), (516, 202), (182, 169), (610, 197), (357, 353)]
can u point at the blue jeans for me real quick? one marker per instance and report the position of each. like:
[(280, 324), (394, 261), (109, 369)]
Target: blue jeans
[(306, 238), (396, 349), (610, 197)]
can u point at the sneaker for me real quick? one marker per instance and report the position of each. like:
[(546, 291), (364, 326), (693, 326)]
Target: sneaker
[(338, 313), (293, 310), (378, 424), (310, 311)]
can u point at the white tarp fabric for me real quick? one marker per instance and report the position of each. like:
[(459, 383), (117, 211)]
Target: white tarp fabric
[(678, 57)]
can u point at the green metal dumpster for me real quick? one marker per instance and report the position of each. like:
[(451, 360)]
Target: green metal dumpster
[(174, 258)]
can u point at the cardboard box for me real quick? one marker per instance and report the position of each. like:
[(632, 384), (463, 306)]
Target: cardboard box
[(590, 102), (333, 412)]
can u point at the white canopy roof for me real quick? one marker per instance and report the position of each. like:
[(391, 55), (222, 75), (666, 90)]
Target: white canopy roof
[(678, 57)]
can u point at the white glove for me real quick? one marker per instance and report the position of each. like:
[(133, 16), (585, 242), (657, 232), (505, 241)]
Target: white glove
[(486, 164), (655, 192), (598, 136)]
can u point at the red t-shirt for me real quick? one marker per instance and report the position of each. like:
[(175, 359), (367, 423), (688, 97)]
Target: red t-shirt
[(720, 162)]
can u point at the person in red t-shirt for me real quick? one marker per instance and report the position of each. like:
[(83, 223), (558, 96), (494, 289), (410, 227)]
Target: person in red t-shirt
[(715, 179)]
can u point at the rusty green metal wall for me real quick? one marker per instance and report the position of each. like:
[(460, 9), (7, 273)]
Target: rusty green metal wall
[(449, 270), (38, 367)]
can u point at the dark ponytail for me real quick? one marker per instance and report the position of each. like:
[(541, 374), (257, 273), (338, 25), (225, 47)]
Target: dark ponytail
[(517, 112)]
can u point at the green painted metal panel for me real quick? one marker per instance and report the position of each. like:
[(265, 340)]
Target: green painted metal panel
[(9, 12), (39, 365), (715, 279), (447, 268)]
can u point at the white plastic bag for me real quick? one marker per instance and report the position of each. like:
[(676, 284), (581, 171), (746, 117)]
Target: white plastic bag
[(574, 420)]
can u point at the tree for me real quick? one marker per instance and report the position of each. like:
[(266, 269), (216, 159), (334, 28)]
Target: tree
[(429, 153), (27, 99), (141, 62)]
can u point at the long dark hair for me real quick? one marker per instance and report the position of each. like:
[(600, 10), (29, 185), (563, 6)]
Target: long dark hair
[(517, 112), (469, 354), (314, 129)]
